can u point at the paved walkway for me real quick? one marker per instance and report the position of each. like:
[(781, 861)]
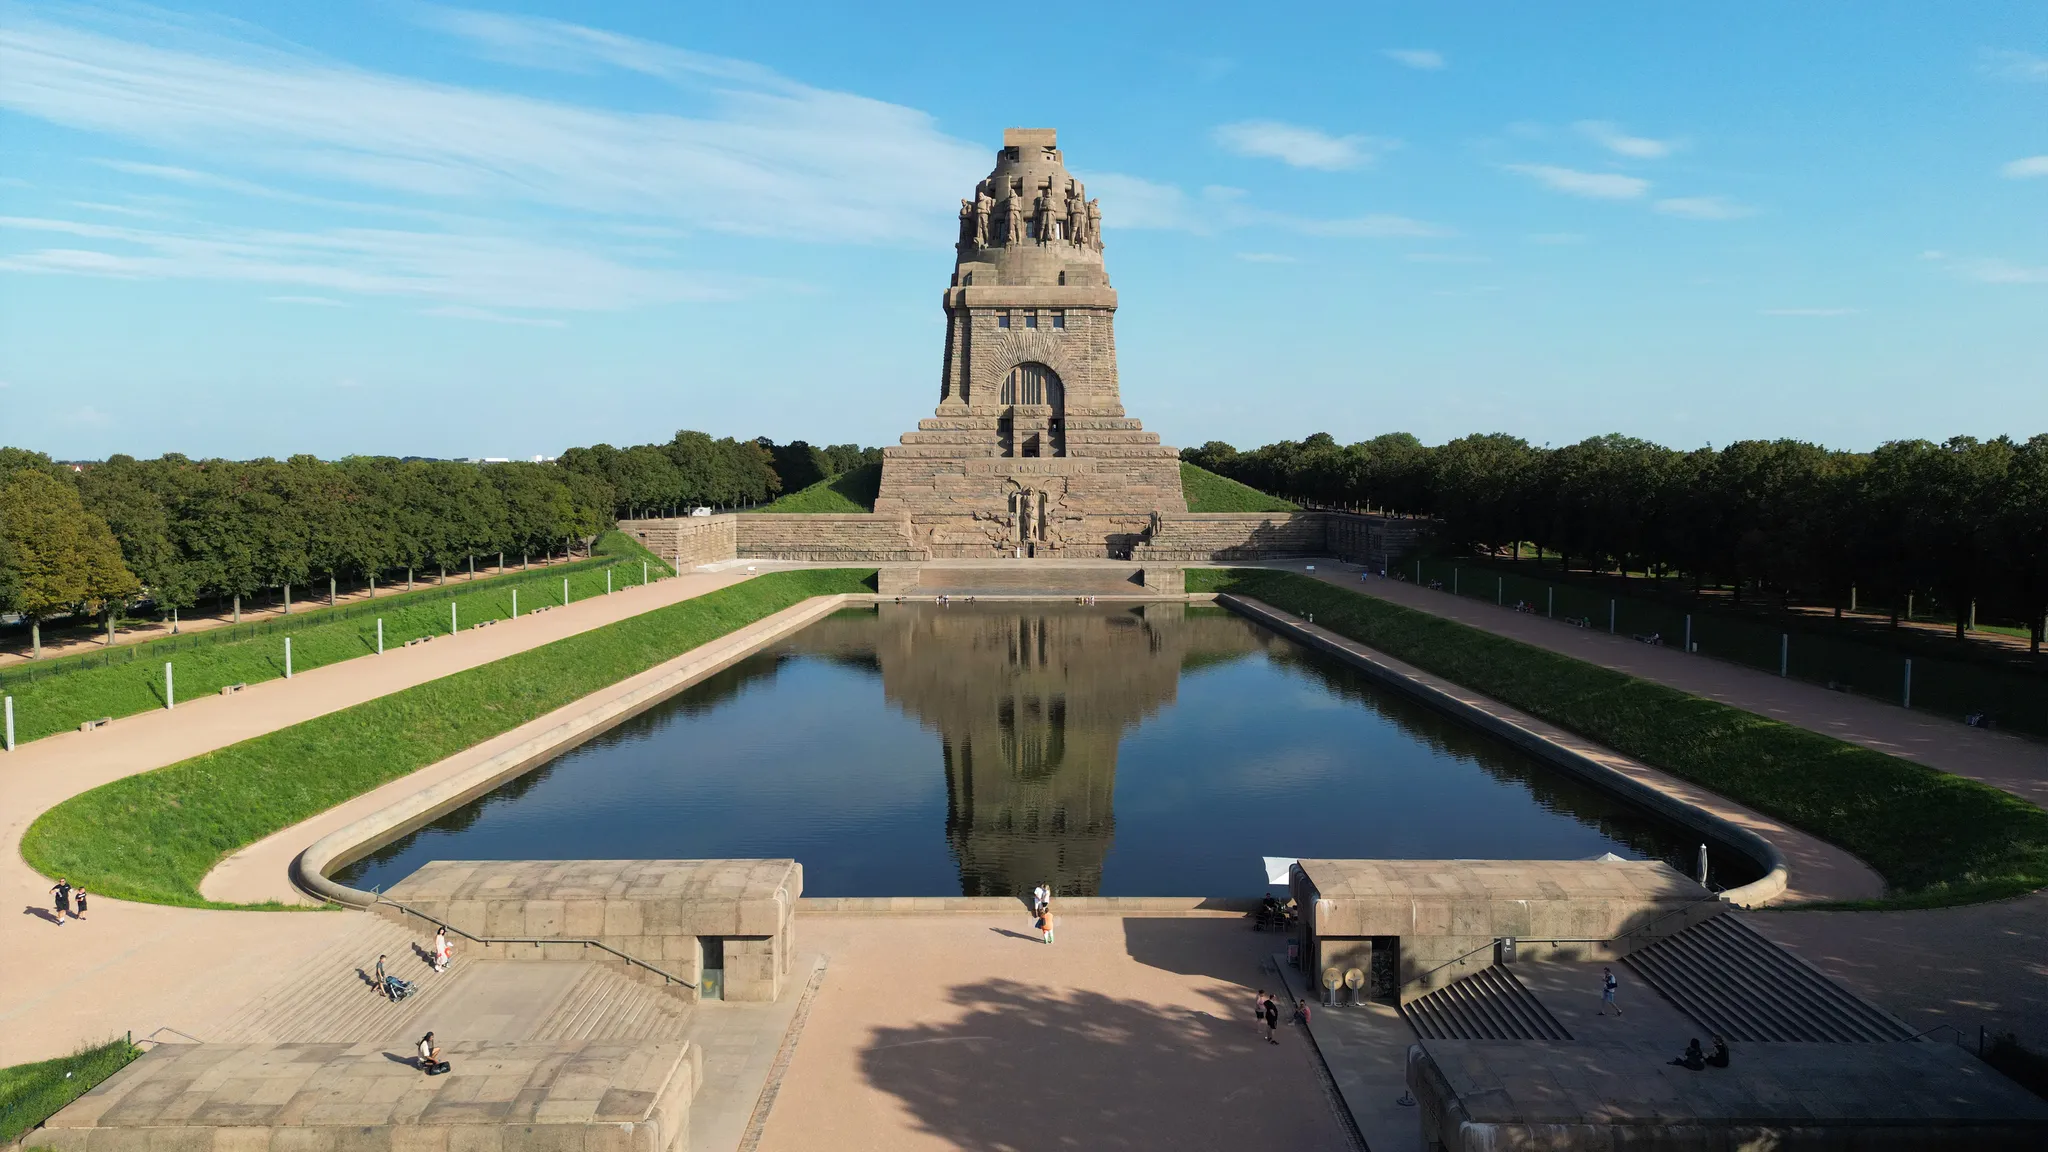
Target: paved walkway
[(1984, 965), (141, 966), (966, 1032)]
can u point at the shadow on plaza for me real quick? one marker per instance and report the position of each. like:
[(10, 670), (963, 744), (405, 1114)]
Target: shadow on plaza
[(1189, 946), (1024, 1068)]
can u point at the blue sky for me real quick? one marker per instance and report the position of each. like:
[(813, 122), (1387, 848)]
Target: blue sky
[(248, 229)]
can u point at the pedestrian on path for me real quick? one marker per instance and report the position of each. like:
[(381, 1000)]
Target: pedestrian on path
[(78, 896), (383, 980), (1045, 922), (61, 898), (1040, 897), (1607, 986), (1259, 1008), (442, 953), (1272, 1019)]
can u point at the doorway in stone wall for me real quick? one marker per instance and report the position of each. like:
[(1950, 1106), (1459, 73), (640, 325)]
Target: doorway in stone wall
[(711, 984)]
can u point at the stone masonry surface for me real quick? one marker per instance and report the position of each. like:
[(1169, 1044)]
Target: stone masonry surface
[(654, 910), (566, 1096)]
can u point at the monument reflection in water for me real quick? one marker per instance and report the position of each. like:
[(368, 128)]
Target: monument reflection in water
[(979, 749)]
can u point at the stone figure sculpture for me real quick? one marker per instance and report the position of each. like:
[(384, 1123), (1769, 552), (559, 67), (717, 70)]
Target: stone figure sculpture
[(1048, 222), (1077, 216), (1095, 224), (984, 206), (1013, 219), (967, 222)]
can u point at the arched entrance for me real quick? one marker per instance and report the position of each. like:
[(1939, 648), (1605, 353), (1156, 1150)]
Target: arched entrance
[(1034, 422)]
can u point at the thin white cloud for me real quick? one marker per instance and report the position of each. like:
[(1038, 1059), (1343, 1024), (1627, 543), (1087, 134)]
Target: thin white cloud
[(1994, 270), (1152, 205), (1444, 258), (1610, 136), (764, 155), (481, 270), (1268, 258), (466, 312), (1375, 226), (2006, 64), (1592, 185), (1555, 238), (1809, 311), (314, 301), (1135, 202), (117, 209), (2026, 168), (1298, 146), (1704, 208), (1420, 59)]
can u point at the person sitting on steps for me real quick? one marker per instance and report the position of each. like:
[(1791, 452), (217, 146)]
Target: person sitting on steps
[(1719, 1057), (432, 1064), (1692, 1057)]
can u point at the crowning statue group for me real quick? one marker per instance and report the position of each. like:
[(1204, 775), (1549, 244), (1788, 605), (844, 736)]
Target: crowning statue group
[(1071, 217)]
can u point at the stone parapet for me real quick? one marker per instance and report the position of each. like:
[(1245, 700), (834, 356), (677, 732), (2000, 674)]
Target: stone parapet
[(533, 1096), (829, 538)]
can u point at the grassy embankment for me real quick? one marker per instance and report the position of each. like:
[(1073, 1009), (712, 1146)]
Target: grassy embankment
[(851, 491), (1208, 492), (1937, 839), (57, 703), (32, 1093), (153, 836)]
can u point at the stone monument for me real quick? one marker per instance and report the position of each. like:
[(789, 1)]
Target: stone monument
[(1030, 454)]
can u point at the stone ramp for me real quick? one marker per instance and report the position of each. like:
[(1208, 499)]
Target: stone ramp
[(1738, 985), (1490, 1004)]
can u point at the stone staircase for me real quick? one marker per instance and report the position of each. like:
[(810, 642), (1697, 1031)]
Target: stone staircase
[(1738, 985), (1490, 1004), (329, 998), (607, 1006)]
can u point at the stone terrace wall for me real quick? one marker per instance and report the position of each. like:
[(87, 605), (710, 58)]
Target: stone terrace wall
[(1374, 541), (699, 539), (832, 538), (1210, 536)]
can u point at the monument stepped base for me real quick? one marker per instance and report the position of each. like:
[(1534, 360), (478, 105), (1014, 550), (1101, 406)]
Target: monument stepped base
[(1030, 578)]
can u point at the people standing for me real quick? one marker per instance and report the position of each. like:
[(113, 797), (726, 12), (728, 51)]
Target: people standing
[(61, 898), (442, 953), (383, 981), (1259, 1008), (1272, 1020), (1040, 897), (78, 898), (1045, 921), (1607, 986)]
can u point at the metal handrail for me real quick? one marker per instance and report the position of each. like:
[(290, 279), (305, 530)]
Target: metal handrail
[(587, 943), (1498, 940)]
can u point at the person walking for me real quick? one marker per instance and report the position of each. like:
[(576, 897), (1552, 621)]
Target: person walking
[(1607, 986), (1259, 1008), (1045, 921), (60, 898), (383, 980), (78, 898), (1272, 1020)]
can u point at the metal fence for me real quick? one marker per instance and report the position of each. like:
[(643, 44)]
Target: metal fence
[(2005, 697), (36, 670)]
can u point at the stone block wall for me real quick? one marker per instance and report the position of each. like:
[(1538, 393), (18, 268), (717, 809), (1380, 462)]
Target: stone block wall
[(832, 538), (1217, 536), (698, 539), (1374, 541), (653, 910)]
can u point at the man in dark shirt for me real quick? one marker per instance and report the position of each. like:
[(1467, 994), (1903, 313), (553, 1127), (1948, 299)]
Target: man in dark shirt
[(61, 898), (1272, 1019)]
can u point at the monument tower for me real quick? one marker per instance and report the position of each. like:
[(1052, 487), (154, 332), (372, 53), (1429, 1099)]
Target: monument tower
[(1029, 453)]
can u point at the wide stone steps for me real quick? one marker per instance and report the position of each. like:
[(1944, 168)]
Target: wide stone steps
[(1738, 985), (329, 998), (607, 1006), (1490, 1004)]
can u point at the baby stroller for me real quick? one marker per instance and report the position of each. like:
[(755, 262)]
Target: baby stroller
[(397, 989)]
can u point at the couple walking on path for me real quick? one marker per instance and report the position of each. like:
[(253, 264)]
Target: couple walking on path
[(62, 898), (1041, 911)]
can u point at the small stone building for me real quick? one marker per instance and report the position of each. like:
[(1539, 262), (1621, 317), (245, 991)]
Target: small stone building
[(1408, 926), (1030, 453), (725, 926)]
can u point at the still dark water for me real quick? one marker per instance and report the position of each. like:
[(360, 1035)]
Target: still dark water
[(919, 750)]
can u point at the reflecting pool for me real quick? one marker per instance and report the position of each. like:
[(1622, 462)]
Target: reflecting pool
[(979, 749)]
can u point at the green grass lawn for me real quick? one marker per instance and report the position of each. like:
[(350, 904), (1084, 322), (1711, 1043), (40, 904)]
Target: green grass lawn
[(1937, 839), (58, 703), (153, 836), (1208, 492), (32, 1093), (850, 491)]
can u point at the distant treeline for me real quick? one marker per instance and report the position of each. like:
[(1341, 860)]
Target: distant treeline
[(693, 470), (96, 537), (1964, 521)]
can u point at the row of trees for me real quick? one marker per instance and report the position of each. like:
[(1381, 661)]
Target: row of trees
[(694, 470), (1964, 521), (92, 538)]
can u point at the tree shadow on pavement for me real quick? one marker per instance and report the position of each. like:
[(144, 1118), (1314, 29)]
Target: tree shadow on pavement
[(1027, 1068), (1226, 950)]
